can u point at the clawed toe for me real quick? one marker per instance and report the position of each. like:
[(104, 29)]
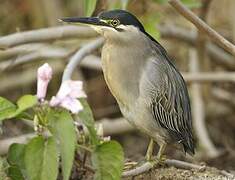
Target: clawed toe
[(158, 161), (129, 165)]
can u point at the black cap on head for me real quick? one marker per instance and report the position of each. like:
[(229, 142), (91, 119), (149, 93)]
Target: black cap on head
[(124, 17)]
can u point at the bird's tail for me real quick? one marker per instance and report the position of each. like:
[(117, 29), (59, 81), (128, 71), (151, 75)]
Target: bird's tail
[(188, 144)]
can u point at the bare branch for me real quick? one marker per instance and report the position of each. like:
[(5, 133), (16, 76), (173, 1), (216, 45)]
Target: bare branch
[(202, 26), (47, 34), (203, 77), (170, 162), (139, 170), (43, 52), (81, 53), (198, 110), (190, 37)]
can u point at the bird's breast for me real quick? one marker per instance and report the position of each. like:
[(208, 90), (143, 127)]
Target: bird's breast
[(122, 73)]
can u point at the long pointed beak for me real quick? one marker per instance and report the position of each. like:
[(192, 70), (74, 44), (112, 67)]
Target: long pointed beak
[(84, 20)]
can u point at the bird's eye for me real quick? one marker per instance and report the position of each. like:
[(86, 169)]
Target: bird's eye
[(115, 22)]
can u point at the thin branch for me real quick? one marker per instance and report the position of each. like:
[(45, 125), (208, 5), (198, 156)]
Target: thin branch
[(204, 77), (139, 170), (77, 58), (198, 110), (43, 53), (190, 36), (46, 34), (202, 26), (170, 162)]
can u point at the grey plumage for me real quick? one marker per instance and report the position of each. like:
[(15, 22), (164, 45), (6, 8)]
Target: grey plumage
[(169, 97)]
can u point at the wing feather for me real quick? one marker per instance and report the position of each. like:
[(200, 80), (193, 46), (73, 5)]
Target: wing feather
[(170, 103)]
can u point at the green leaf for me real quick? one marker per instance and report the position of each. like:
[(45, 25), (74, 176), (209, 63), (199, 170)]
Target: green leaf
[(87, 119), (62, 127), (41, 159), (89, 7), (15, 159), (7, 108), (108, 160), (16, 154), (25, 102)]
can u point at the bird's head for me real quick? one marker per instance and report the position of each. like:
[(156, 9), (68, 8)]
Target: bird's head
[(114, 24)]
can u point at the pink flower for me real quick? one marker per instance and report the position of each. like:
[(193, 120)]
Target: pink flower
[(44, 76), (67, 96)]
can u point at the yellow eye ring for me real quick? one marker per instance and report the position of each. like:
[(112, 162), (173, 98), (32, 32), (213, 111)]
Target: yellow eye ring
[(115, 22)]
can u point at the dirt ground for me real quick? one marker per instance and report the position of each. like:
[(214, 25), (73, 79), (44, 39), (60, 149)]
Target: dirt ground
[(172, 173)]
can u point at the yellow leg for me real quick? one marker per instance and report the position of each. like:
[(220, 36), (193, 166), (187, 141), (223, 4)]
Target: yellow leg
[(149, 152), (160, 157), (161, 151)]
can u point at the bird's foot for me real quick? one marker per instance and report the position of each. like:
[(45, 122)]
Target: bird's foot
[(158, 160), (130, 165)]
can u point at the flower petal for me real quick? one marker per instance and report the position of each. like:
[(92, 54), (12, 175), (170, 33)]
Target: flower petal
[(54, 101), (71, 104), (44, 76), (71, 88), (45, 72)]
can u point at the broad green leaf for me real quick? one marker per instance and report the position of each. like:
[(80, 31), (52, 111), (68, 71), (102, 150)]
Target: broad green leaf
[(41, 159), (16, 154), (7, 108), (108, 160), (15, 159), (89, 7), (62, 127), (26, 102), (87, 118)]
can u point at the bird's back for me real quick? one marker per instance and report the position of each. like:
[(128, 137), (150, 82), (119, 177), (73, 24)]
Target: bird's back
[(170, 100)]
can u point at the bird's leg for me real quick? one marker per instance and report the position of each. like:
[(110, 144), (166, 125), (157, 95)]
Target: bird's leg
[(160, 157), (149, 152)]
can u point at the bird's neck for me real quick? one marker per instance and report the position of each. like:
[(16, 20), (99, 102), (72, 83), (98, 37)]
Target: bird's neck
[(122, 66)]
